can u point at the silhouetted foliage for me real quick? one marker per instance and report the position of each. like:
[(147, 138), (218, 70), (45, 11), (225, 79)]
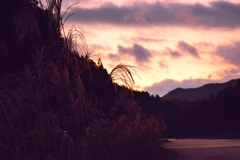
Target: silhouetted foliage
[(212, 117), (56, 103)]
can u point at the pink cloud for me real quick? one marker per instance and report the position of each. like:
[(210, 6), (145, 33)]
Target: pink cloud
[(218, 14)]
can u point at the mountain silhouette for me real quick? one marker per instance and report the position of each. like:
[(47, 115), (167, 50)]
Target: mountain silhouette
[(193, 94), (212, 117)]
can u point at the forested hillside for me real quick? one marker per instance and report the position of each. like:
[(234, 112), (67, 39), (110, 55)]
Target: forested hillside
[(217, 116), (57, 103)]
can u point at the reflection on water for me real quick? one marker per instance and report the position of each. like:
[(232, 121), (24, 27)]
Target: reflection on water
[(202, 149), (203, 143)]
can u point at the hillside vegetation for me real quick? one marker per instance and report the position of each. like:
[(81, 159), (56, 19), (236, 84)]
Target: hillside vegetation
[(57, 103), (214, 117)]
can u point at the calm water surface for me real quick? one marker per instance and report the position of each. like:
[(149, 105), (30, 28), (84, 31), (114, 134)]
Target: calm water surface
[(205, 149)]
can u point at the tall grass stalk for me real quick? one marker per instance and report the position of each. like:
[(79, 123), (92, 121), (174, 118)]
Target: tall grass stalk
[(10, 124), (122, 74), (5, 55), (26, 24)]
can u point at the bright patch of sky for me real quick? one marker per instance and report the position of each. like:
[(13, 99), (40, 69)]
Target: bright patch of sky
[(177, 41)]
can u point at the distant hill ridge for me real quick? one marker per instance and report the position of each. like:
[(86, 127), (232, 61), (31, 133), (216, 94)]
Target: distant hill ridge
[(192, 94)]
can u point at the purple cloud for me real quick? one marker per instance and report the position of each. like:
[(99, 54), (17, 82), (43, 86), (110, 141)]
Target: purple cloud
[(216, 14), (230, 53), (183, 46), (114, 57), (140, 53), (173, 54)]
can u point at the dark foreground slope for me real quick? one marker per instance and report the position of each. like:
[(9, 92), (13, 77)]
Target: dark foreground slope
[(56, 103)]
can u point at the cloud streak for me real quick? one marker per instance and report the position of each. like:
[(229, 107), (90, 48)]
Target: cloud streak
[(229, 73), (216, 14), (147, 40), (167, 85), (163, 64)]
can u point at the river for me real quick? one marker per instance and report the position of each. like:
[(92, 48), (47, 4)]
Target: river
[(205, 149)]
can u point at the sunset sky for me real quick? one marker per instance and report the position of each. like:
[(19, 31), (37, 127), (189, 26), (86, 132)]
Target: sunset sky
[(178, 43)]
